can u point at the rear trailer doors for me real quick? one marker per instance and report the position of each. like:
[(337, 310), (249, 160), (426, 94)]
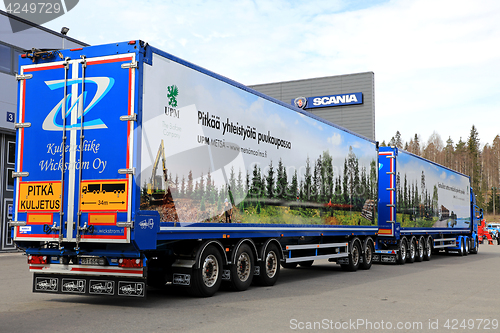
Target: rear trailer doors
[(74, 155)]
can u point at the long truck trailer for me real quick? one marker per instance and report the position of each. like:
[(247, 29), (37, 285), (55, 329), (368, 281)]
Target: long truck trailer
[(423, 208), (248, 184)]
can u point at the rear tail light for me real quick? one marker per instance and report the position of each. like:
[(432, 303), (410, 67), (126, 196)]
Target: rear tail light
[(38, 260), (129, 263)]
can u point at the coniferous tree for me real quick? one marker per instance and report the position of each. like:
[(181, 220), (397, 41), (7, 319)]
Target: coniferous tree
[(373, 179), (256, 182), (209, 189), (327, 176), (317, 183), (239, 187), (475, 167), (189, 189), (183, 187), (270, 181), (292, 191), (306, 188), (201, 187), (232, 181)]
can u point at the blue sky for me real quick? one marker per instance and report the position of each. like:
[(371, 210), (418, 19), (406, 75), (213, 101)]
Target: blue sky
[(436, 62)]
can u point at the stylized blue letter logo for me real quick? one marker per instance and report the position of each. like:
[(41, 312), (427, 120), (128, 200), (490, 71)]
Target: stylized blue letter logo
[(50, 123)]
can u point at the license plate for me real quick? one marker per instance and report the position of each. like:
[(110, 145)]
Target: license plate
[(89, 261)]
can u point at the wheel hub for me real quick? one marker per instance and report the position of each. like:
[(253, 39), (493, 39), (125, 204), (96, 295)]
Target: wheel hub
[(210, 271), (243, 267), (271, 264)]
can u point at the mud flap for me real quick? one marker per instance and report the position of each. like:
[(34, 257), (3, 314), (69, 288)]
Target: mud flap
[(89, 285)]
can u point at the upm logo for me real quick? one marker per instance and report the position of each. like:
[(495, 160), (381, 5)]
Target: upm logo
[(54, 122)]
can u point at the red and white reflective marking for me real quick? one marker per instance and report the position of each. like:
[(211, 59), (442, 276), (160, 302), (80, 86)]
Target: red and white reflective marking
[(87, 270)]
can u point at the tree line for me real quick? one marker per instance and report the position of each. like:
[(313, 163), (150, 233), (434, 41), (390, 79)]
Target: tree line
[(319, 183), (482, 164)]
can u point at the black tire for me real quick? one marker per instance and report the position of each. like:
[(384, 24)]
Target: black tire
[(206, 280), (475, 249), (242, 269), (420, 249), (466, 246), (428, 249), (498, 240), (461, 252), (289, 265), (308, 263), (368, 252), (269, 266), (401, 256), (354, 258), (412, 249)]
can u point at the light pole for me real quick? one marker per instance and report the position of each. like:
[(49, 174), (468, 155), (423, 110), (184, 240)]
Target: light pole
[(64, 32)]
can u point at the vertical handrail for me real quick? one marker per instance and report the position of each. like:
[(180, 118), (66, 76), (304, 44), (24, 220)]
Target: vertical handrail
[(63, 154), (80, 171)]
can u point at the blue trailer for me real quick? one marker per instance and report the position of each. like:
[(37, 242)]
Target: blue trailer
[(247, 184), (424, 208)]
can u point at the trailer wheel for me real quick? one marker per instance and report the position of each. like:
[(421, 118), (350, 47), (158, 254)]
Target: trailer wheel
[(308, 263), (368, 254), (412, 246), (401, 256), (428, 248), (206, 280), (242, 269), (354, 258), (420, 250), (269, 266), (475, 249), (461, 252)]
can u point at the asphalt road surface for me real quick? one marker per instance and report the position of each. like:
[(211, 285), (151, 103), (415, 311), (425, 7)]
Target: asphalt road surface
[(446, 294)]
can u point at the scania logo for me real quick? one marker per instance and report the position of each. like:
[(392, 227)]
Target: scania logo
[(300, 102), (53, 121)]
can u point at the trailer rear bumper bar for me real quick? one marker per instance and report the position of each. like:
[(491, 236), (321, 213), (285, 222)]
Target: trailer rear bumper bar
[(87, 270)]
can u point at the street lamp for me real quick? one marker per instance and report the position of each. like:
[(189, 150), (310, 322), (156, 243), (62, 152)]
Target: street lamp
[(64, 32)]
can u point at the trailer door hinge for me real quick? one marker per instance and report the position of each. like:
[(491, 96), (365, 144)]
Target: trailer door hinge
[(132, 117), (20, 174), (21, 125), (125, 224), (129, 171), (133, 64), (23, 76), (16, 223)]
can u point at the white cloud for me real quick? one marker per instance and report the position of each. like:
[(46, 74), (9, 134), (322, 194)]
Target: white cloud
[(335, 139), (436, 62)]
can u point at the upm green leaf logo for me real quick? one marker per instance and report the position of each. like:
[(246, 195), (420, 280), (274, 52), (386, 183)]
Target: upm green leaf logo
[(173, 91)]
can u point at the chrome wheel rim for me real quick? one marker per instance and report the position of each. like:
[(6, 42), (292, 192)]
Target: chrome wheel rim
[(355, 255), (243, 267), (403, 251), (210, 271), (412, 250), (368, 254), (271, 264)]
